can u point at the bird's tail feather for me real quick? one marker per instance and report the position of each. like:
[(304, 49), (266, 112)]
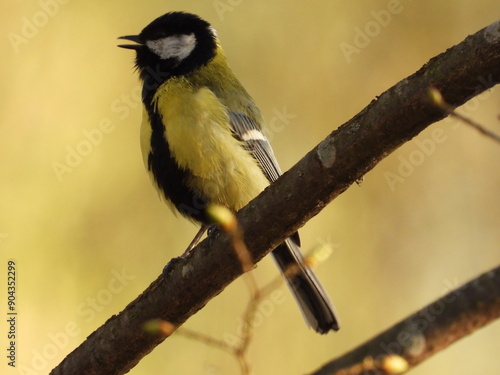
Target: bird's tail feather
[(314, 303)]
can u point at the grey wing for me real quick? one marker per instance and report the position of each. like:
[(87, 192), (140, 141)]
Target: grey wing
[(249, 132)]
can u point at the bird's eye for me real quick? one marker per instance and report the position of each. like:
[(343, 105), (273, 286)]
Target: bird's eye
[(159, 35)]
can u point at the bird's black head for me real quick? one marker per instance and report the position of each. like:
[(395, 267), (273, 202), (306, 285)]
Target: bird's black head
[(173, 44)]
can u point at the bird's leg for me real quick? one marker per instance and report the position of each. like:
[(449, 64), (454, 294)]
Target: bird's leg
[(204, 228), (209, 228), (197, 238)]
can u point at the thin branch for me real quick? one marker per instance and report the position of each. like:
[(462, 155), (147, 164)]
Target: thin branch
[(441, 103), (189, 282), (428, 331), (229, 223)]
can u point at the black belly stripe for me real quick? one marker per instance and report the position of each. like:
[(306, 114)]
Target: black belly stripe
[(169, 177)]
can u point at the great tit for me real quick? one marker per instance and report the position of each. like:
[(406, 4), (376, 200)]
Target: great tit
[(202, 141)]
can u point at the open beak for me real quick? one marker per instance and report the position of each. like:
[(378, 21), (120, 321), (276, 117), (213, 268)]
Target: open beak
[(132, 38)]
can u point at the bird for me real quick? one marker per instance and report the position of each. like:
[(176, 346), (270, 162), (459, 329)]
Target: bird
[(203, 143)]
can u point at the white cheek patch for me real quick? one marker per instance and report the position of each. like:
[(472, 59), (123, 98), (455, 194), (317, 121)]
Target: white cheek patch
[(253, 135), (174, 46)]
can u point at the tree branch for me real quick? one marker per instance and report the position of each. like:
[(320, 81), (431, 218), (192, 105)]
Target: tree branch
[(189, 282), (428, 331)]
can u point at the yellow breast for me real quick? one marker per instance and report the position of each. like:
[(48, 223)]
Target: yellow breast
[(199, 135)]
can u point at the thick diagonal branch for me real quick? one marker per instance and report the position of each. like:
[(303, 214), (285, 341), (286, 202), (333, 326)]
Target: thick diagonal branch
[(343, 157)]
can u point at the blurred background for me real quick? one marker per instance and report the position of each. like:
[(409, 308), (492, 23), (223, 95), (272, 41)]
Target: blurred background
[(88, 232)]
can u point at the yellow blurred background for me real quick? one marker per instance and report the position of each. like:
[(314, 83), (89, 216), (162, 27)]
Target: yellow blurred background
[(88, 232)]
